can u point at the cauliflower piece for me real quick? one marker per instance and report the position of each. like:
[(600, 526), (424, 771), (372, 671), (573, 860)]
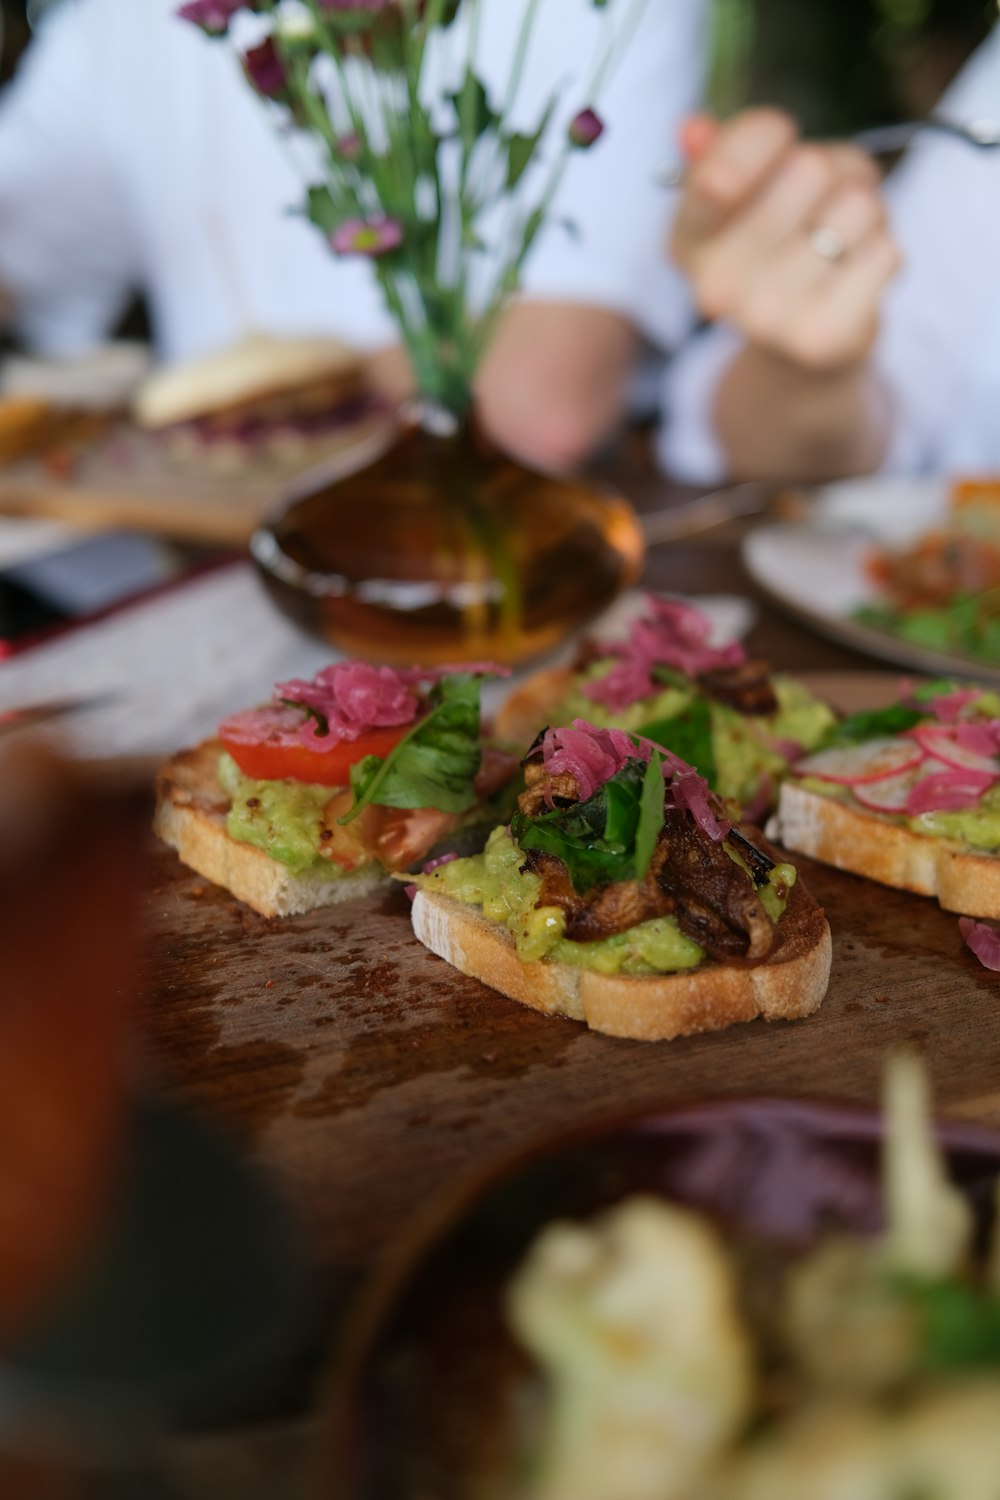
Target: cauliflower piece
[(634, 1320), (929, 1228), (826, 1453), (947, 1447), (847, 1325), (943, 1446)]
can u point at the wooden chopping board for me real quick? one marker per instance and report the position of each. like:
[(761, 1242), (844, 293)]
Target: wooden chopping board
[(126, 479), (366, 1074)]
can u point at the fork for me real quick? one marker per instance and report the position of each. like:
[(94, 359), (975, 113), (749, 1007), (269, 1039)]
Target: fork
[(885, 140)]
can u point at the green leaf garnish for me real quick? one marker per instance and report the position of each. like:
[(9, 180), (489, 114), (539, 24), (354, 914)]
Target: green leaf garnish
[(689, 735), (960, 1324), (611, 836), (435, 764), (874, 723), (650, 814)]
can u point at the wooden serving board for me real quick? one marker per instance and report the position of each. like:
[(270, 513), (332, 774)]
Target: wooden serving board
[(127, 479), (367, 1074)]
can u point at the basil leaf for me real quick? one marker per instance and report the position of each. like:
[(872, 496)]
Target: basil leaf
[(595, 839), (873, 724), (650, 814), (435, 765), (689, 735)]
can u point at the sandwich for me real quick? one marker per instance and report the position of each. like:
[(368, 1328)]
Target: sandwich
[(278, 401), (714, 707), (316, 796), (621, 895), (908, 796)]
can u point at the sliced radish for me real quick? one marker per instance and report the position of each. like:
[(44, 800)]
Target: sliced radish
[(943, 742), (890, 794), (853, 765)]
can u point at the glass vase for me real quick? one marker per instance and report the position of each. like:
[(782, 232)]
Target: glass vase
[(444, 548)]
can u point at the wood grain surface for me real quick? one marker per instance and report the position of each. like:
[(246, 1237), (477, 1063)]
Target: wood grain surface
[(366, 1074)]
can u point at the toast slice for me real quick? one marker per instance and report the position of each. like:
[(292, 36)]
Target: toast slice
[(530, 706), (191, 813), (865, 843), (657, 1007)]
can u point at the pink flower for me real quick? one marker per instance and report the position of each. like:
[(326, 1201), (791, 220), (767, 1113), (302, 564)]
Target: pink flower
[(373, 236), (264, 69), (585, 128), (213, 16), (348, 147)]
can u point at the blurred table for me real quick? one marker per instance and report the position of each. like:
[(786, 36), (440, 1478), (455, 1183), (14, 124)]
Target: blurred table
[(366, 1074)]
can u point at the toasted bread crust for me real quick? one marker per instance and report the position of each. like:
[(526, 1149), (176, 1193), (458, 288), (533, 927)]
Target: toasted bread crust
[(650, 1008), (864, 843), (191, 812), (533, 705)]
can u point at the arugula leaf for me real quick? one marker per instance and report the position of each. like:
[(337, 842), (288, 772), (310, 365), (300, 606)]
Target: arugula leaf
[(651, 802), (597, 839), (435, 764), (873, 723), (689, 735)]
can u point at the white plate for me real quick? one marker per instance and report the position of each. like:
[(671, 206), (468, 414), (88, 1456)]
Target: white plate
[(816, 568)]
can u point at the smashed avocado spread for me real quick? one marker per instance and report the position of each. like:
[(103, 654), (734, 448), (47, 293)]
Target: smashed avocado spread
[(744, 746), (284, 818), (978, 827), (495, 882), (974, 827)]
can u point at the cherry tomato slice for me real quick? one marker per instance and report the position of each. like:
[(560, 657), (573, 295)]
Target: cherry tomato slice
[(277, 758)]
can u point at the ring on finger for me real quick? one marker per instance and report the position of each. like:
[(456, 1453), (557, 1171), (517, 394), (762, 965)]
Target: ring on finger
[(827, 242)]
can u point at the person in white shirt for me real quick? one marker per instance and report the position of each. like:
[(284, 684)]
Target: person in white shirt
[(856, 325), (133, 154)]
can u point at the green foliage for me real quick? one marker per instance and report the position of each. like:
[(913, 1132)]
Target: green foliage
[(322, 210), (434, 177)]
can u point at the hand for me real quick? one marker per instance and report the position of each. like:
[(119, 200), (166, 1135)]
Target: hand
[(787, 241)]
